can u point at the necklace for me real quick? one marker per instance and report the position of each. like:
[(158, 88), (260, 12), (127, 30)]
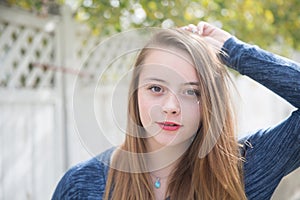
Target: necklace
[(157, 182)]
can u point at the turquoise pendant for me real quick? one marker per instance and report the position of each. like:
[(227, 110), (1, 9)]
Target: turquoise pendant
[(157, 183)]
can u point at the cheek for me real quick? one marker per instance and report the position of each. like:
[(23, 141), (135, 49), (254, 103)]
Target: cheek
[(150, 110), (145, 107), (192, 116)]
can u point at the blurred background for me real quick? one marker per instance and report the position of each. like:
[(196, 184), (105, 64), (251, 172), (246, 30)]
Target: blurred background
[(55, 111)]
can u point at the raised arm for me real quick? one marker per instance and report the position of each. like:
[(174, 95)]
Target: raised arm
[(274, 152), (277, 73)]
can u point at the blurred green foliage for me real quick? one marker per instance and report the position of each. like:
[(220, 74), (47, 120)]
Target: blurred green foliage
[(263, 22)]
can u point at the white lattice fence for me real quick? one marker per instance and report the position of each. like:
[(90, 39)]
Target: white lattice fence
[(30, 106), (41, 132), (22, 47), (29, 153), (103, 64), (107, 59), (40, 62)]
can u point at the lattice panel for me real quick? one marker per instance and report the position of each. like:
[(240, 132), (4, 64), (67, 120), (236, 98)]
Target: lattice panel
[(107, 59), (21, 49), (27, 56)]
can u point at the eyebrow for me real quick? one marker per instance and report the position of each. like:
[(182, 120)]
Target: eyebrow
[(163, 81), (192, 83), (156, 79)]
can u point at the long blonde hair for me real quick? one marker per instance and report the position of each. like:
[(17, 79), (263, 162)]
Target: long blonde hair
[(204, 171)]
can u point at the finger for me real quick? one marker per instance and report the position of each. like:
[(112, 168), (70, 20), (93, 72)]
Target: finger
[(205, 28), (184, 28), (187, 27), (193, 28), (200, 26)]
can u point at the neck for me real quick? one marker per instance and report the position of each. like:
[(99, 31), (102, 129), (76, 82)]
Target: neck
[(164, 172), (165, 158)]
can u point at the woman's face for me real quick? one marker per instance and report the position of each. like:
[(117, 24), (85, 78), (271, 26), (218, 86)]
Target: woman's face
[(168, 98)]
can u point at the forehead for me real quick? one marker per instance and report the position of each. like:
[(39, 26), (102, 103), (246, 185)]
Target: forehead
[(172, 64)]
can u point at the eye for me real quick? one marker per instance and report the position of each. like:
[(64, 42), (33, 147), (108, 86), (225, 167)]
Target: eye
[(192, 92), (156, 89)]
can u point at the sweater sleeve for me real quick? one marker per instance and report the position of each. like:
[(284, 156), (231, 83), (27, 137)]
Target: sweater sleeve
[(274, 152), (277, 73), (86, 180), (270, 154)]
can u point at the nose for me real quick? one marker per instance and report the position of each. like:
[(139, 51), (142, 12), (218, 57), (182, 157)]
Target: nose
[(171, 105)]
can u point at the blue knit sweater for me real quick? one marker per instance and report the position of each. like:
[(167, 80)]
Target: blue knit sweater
[(270, 153)]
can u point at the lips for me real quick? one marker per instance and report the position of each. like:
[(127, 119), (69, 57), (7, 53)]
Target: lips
[(169, 126)]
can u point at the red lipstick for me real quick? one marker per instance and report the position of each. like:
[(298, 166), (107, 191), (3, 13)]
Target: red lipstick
[(169, 126)]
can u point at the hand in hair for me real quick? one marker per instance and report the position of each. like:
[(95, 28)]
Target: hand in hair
[(211, 34)]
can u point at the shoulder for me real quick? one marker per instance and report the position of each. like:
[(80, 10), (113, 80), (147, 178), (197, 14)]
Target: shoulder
[(86, 179)]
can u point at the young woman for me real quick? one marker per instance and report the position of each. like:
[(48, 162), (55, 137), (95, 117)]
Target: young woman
[(180, 141)]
